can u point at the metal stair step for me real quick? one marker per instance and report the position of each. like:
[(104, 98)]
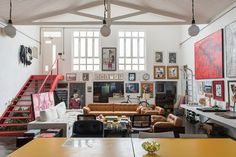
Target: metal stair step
[(12, 133), (13, 124), (19, 111)]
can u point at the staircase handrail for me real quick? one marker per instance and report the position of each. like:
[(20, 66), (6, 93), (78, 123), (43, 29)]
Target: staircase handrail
[(50, 72)]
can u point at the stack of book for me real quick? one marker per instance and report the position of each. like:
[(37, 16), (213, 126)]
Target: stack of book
[(32, 133)]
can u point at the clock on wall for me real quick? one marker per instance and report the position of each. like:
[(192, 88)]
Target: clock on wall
[(146, 76)]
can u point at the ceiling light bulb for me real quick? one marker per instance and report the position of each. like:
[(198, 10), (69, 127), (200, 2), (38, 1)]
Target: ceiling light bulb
[(193, 30), (10, 30), (105, 30)]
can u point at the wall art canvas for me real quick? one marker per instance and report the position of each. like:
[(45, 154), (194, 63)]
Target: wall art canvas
[(42, 101), (85, 76), (232, 93), (132, 76), (70, 76), (147, 88), (172, 57), (207, 87), (230, 36), (159, 57), (218, 90), (132, 87), (108, 59), (209, 56)]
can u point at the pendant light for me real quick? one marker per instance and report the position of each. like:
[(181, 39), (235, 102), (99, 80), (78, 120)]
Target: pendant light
[(9, 29), (193, 30), (105, 29)]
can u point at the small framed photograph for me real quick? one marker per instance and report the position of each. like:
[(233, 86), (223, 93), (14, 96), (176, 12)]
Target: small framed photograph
[(159, 57), (70, 76), (85, 76), (207, 87), (232, 93), (89, 88), (172, 72), (159, 72), (218, 90), (160, 87), (108, 59), (132, 76), (172, 57), (132, 87)]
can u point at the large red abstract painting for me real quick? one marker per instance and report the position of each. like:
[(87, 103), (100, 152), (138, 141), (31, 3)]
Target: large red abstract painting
[(209, 56)]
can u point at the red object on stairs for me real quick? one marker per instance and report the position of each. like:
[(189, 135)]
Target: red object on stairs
[(14, 120)]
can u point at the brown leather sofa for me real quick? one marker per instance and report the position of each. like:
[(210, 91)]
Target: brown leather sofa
[(171, 123), (117, 109), (150, 111)]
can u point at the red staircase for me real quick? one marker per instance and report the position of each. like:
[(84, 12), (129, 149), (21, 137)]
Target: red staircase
[(14, 120)]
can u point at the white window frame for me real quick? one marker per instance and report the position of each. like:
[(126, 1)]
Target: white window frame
[(92, 58), (140, 60)]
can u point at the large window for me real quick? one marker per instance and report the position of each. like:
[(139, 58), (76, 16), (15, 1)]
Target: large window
[(131, 50), (86, 51)]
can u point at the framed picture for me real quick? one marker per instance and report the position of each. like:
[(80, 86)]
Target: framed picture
[(159, 57), (160, 87), (172, 72), (85, 76), (132, 76), (218, 90), (172, 57), (232, 93), (230, 44), (159, 72), (89, 88), (132, 87), (108, 59), (207, 87), (147, 88), (70, 76), (209, 56)]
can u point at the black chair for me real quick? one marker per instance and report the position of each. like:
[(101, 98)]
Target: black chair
[(88, 128), (86, 117), (141, 123)]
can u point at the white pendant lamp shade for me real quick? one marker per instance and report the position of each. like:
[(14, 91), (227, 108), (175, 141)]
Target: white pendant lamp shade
[(105, 30), (193, 30), (10, 30)]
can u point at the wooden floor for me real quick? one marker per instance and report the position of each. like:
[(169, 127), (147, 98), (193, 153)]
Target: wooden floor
[(8, 144)]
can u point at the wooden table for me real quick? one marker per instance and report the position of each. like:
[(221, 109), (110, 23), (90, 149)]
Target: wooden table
[(52, 147), (127, 147), (189, 147)]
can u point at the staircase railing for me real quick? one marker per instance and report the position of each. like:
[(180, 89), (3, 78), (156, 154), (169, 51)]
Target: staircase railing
[(56, 62)]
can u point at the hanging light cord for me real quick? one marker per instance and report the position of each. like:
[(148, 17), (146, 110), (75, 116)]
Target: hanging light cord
[(105, 13), (193, 20), (10, 9)]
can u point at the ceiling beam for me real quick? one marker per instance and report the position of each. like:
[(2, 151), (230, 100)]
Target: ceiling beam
[(127, 15), (113, 23), (150, 10), (87, 15), (59, 12)]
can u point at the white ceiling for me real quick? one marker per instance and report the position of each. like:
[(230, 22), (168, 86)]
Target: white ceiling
[(123, 12)]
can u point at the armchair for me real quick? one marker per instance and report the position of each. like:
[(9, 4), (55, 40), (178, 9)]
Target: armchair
[(172, 123)]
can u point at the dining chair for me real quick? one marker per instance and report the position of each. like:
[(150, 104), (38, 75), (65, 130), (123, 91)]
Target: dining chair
[(169, 134), (88, 128), (141, 123)]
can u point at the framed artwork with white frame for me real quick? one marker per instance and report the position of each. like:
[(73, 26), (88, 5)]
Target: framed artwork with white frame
[(109, 59), (218, 90), (132, 76)]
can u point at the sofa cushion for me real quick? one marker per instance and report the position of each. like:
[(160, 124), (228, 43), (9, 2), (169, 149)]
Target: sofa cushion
[(126, 113), (100, 107), (49, 114), (61, 109), (125, 107), (105, 113)]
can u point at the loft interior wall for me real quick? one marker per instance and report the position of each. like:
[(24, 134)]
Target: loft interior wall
[(14, 74), (158, 38), (187, 48)]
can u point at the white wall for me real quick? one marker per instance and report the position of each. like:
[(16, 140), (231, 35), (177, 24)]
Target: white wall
[(187, 48), (158, 38), (14, 74)]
